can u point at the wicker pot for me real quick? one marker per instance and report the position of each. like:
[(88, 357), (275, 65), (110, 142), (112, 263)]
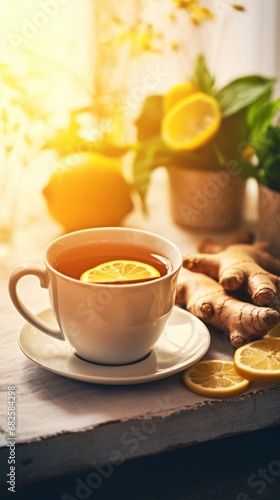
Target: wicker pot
[(203, 199), (269, 218)]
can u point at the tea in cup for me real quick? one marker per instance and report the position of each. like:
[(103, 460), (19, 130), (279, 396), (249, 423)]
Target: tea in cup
[(105, 320)]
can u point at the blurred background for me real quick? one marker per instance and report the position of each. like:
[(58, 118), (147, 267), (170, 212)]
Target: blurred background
[(75, 73)]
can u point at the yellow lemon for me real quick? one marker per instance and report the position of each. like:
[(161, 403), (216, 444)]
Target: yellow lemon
[(177, 93), (88, 190), (192, 122), (274, 332), (215, 378), (259, 360), (120, 271)]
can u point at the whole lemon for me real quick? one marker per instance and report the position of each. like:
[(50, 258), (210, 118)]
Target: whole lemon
[(88, 189)]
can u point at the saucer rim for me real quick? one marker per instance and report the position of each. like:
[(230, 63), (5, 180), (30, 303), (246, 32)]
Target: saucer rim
[(117, 380)]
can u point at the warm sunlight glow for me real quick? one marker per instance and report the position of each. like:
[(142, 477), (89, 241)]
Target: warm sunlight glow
[(51, 37), (45, 72)]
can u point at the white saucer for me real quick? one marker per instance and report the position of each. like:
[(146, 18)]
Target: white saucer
[(185, 341)]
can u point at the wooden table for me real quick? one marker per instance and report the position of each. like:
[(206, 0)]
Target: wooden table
[(242, 467), (69, 427)]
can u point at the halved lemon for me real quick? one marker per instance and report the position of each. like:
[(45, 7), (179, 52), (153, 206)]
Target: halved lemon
[(259, 360), (177, 93), (119, 271), (215, 379), (192, 122)]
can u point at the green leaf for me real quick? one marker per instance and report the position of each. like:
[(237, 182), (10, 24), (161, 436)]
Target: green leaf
[(260, 116), (233, 135), (202, 78), (272, 172), (268, 144), (243, 92), (148, 123), (267, 149)]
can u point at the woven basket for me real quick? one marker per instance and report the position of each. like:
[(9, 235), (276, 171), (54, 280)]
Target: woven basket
[(269, 218), (206, 199)]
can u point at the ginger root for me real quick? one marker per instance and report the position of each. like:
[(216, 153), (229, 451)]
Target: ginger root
[(246, 267), (205, 298), (242, 235), (234, 286)]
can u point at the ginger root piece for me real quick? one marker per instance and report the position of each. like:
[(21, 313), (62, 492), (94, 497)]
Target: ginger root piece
[(250, 268), (242, 235), (206, 299)]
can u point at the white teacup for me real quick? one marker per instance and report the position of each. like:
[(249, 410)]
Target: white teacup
[(104, 323)]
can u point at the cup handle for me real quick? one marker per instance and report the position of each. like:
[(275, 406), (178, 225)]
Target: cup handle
[(39, 271)]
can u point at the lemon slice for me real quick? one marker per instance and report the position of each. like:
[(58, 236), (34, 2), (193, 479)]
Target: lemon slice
[(119, 271), (215, 379), (274, 332), (192, 122), (259, 360), (177, 93)]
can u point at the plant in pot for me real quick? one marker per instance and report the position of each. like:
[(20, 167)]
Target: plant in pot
[(200, 133), (264, 120)]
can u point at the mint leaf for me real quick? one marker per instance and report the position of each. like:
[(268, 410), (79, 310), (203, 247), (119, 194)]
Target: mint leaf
[(272, 172), (202, 78), (267, 149), (260, 116), (242, 92)]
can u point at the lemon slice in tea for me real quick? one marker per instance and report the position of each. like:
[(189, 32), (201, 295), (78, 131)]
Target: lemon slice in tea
[(120, 271)]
